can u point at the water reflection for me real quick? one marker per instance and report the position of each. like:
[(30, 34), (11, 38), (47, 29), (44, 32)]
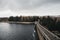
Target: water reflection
[(4, 27), (16, 31)]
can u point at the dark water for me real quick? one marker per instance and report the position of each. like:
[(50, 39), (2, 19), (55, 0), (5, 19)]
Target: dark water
[(16, 31)]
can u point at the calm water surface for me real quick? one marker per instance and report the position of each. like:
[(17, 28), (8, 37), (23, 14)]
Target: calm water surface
[(16, 31)]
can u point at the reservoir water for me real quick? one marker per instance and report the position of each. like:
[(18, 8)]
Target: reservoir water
[(16, 31)]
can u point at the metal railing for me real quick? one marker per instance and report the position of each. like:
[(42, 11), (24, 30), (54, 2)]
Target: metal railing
[(45, 34)]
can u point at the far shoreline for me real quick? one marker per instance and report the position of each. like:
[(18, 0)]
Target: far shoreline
[(18, 22)]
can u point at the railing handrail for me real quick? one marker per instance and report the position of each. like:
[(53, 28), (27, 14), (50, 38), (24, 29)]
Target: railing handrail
[(50, 32), (46, 36)]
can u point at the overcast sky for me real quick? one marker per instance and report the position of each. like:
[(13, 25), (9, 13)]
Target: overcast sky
[(29, 7)]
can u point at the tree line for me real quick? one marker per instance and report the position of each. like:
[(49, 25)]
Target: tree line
[(23, 18)]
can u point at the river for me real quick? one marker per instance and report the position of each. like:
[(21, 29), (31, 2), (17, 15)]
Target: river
[(16, 31)]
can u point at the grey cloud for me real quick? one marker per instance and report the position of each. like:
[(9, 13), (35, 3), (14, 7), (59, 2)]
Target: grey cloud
[(24, 4), (16, 7)]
